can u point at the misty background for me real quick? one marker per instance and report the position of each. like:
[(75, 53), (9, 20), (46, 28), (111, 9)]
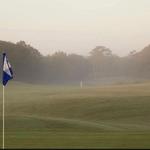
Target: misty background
[(76, 26), (68, 41), (100, 67)]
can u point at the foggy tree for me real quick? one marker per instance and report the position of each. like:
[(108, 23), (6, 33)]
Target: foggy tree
[(103, 61), (61, 68)]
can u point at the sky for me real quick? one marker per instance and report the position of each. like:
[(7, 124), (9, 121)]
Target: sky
[(77, 26)]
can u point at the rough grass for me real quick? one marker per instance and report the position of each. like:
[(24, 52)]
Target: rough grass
[(39, 116)]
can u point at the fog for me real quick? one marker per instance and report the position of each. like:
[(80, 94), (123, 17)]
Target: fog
[(99, 68), (76, 26)]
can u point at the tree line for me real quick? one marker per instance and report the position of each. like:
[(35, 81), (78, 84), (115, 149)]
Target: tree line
[(31, 66)]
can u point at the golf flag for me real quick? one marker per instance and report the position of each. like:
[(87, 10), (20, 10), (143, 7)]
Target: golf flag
[(7, 70)]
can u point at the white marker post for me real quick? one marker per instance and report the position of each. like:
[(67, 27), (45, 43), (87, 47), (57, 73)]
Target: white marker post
[(81, 84)]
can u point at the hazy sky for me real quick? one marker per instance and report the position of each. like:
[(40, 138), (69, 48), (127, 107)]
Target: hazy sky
[(77, 26)]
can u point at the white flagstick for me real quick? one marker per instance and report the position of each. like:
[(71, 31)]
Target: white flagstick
[(3, 117), (7, 75)]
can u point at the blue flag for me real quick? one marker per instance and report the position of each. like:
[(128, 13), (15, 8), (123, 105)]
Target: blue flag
[(7, 70)]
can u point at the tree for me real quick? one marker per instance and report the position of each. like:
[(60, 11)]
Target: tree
[(102, 61)]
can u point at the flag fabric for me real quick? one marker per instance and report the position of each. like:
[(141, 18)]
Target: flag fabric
[(7, 70)]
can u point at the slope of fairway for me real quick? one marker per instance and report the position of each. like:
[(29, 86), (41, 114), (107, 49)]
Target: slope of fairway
[(69, 117)]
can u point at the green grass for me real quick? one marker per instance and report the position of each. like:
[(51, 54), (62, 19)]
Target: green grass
[(39, 116)]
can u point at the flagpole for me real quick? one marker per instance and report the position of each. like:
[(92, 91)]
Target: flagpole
[(3, 117), (7, 75)]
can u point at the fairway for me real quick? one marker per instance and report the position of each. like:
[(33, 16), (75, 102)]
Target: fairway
[(42, 116)]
